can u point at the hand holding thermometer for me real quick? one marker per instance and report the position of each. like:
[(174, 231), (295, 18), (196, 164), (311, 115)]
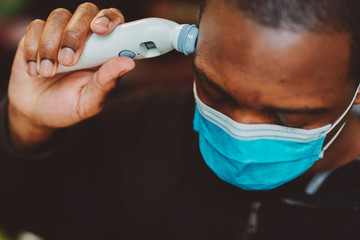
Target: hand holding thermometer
[(145, 38)]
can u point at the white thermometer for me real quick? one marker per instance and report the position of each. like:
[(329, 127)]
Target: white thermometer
[(145, 38)]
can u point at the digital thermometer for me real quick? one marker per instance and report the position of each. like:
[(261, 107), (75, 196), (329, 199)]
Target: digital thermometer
[(145, 38)]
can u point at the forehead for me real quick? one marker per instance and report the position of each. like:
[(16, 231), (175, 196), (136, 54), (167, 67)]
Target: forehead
[(254, 63)]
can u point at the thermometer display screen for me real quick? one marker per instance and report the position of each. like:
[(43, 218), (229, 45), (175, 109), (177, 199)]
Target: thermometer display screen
[(150, 45)]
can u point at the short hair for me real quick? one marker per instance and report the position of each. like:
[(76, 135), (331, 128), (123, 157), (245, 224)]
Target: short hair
[(312, 15)]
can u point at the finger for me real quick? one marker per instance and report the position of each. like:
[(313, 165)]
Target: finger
[(50, 42), (107, 20), (31, 45), (105, 79), (76, 34)]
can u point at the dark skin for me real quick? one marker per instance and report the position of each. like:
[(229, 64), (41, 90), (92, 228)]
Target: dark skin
[(256, 74), (249, 72), (38, 106)]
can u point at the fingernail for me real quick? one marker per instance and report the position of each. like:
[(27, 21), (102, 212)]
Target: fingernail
[(46, 68), (102, 21), (32, 69), (66, 56)]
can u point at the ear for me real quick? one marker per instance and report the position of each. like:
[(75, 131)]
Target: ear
[(357, 98)]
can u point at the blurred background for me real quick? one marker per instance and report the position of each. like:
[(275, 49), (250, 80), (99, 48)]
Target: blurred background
[(170, 70)]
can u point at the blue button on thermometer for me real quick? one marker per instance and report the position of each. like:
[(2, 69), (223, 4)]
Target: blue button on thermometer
[(145, 38), (127, 53)]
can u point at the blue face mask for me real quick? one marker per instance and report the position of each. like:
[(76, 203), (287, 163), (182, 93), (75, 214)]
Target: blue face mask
[(257, 156)]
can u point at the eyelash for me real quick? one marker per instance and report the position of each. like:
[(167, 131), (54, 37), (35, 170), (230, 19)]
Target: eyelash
[(288, 123), (216, 99), (213, 95)]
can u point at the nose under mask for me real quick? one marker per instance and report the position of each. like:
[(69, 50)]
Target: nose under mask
[(258, 156)]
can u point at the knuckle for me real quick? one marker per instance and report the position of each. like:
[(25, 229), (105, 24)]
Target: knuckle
[(60, 12), (29, 56), (104, 86), (100, 84), (73, 37), (34, 24), (30, 49), (37, 22), (89, 5), (46, 45), (113, 14), (47, 50), (117, 11)]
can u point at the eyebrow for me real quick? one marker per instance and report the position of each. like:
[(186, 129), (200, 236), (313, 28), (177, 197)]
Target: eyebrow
[(200, 74), (203, 77)]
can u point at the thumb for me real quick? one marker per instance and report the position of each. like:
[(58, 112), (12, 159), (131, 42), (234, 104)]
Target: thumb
[(105, 78)]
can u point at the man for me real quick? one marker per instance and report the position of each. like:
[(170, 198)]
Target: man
[(274, 82)]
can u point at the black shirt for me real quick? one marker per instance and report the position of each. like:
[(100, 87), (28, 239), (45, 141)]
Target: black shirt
[(135, 172)]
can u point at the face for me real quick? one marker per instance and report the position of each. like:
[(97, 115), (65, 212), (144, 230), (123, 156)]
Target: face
[(255, 74)]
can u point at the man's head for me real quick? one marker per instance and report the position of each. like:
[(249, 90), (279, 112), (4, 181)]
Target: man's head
[(280, 62), (286, 62)]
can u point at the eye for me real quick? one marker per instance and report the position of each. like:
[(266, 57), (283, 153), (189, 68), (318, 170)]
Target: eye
[(214, 96), (212, 93), (296, 120)]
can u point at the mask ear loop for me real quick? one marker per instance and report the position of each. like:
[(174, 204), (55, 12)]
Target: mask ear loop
[(321, 155)]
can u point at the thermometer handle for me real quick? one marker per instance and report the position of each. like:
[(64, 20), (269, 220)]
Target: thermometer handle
[(145, 38)]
